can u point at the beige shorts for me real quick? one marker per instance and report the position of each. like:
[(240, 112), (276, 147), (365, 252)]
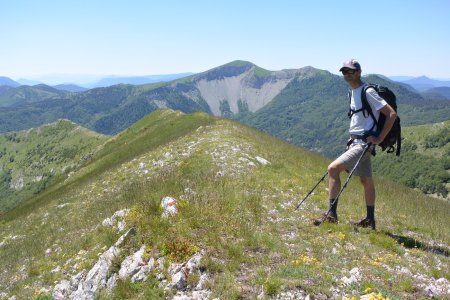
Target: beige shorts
[(351, 156)]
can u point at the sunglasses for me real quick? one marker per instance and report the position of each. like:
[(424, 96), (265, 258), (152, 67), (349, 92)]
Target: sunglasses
[(348, 71)]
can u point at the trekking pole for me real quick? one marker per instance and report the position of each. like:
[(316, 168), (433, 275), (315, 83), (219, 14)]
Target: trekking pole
[(366, 147), (310, 192)]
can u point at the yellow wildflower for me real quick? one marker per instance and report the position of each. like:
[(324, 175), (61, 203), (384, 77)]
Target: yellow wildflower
[(375, 263), (374, 296), (305, 259), (342, 236)]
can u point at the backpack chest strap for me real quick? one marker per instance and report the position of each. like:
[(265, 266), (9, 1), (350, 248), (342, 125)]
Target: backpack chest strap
[(351, 112)]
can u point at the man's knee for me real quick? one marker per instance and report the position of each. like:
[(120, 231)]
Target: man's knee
[(335, 168), (367, 181)]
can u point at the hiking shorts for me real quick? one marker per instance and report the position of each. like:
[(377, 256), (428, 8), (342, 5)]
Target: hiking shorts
[(351, 156)]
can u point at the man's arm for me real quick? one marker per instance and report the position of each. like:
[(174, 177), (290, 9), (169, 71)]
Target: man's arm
[(391, 115)]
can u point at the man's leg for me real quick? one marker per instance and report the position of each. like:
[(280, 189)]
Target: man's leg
[(334, 181), (369, 190), (334, 186), (369, 195), (344, 162)]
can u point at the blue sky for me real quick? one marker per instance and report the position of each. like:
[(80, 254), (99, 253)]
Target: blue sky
[(138, 37)]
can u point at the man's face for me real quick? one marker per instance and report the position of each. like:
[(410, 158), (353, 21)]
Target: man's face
[(351, 75)]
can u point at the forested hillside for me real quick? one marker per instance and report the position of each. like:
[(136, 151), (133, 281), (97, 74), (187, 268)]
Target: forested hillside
[(31, 160), (424, 162)]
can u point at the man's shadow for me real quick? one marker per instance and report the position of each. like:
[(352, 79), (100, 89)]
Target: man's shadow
[(410, 243)]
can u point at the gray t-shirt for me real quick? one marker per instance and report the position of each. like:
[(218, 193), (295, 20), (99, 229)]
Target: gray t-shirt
[(358, 123)]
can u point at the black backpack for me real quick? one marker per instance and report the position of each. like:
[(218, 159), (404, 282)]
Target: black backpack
[(392, 142)]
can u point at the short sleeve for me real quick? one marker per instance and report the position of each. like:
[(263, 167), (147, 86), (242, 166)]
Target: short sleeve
[(374, 99)]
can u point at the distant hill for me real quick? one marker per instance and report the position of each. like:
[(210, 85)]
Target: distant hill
[(135, 80), (423, 83), (25, 94), (401, 78), (31, 160), (24, 81), (70, 88), (437, 93), (8, 81)]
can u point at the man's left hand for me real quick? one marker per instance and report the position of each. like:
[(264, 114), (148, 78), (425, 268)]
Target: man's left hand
[(374, 140)]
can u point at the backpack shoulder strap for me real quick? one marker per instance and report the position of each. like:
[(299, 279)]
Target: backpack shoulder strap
[(365, 104), (399, 142), (351, 111)]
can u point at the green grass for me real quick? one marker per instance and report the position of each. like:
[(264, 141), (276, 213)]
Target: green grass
[(240, 212)]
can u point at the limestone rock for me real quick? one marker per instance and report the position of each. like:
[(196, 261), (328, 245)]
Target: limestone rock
[(83, 287), (62, 290), (132, 264)]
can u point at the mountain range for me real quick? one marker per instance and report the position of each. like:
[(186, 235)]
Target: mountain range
[(306, 106), (94, 83), (135, 80), (421, 83)]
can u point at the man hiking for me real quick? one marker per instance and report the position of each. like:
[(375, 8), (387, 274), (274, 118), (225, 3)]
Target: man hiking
[(360, 124)]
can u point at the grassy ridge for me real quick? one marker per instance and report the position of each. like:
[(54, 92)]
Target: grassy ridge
[(238, 210), (142, 137)]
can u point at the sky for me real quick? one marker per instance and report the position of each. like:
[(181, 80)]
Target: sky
[(86, 38)]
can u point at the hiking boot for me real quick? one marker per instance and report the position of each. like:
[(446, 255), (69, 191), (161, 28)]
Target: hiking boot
[(326, 218), (365, 223)]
